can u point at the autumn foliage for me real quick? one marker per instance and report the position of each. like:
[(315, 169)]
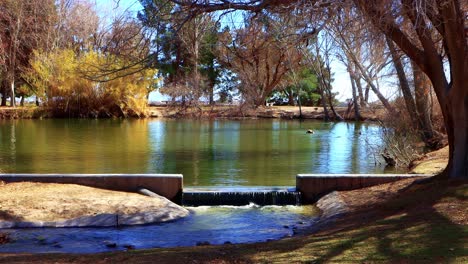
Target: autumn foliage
[(60, 80)]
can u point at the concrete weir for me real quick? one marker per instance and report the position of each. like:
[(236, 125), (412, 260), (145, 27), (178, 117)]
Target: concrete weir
[(313, 186), (309, 187), (239, 196), (166, 185)]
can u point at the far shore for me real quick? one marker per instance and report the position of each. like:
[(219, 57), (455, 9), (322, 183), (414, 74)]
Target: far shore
[(214, 112)]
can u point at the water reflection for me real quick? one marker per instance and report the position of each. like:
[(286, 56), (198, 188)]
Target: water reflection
[(206, 152)]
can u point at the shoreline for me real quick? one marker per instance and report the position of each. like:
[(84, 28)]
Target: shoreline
[(207, 112)]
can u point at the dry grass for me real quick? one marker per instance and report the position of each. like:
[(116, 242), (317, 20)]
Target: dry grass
[(432, 162)]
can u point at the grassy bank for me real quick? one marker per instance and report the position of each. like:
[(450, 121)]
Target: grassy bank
[(29, 112)]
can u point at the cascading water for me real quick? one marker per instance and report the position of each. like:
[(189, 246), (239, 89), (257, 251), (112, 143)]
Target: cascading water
[(240, 196)]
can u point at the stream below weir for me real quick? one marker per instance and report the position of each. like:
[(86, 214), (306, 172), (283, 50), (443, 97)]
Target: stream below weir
[(212, 225)]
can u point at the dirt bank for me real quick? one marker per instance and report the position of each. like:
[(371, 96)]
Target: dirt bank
[(220, 111), (431, 163), (232, 111)]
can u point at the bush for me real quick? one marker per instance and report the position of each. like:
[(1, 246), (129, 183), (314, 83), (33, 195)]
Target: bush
[(63, 80)]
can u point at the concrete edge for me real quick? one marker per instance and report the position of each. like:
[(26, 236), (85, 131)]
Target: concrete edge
[(361, 175), (71, 175), (166, 185)]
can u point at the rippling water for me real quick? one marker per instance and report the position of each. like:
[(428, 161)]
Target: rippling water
[(215, 225), (208, 152)]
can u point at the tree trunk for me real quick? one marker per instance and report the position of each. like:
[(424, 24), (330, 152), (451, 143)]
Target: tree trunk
[(299, 104), (13, 99), (357, 114), (291, 97), (366, 94), (404, 86), (422, 88), (456, 119), (211, 92), (37, 101), (332, 108), (374, 88), (362, 98), (22, 101), (4, 100), (324, 104)]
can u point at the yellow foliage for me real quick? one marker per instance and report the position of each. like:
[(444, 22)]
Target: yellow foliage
[(62, 80)]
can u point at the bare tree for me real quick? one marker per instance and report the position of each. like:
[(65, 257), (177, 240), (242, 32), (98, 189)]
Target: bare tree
[(362, 48), (434, 37), (23, 27), (260, 60)]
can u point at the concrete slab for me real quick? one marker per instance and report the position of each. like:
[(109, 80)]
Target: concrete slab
[(314, 186), (166, 185)]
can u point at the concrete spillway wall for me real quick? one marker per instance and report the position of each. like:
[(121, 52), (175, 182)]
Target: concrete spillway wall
[(310, 187), (313, 186), (167, 185)]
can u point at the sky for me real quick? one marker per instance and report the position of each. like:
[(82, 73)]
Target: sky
[(109, 8)]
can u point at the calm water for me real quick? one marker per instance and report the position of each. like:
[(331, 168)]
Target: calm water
[(208, 153), (216, 225)]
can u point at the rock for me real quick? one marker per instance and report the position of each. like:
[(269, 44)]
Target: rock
[(310, 131), (111, 245), (203, 243), (331, 205), (129, 247), (4, 238), (227, 243), (389, 160)]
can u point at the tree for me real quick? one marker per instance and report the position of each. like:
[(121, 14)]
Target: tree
[(302, 90), (431, 33), (362, 50), (23, 27), (57, 76), (434, 37), (259, 59), (418, 107), (183, 50)]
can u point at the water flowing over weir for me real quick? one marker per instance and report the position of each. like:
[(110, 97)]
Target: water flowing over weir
[(241, 196)]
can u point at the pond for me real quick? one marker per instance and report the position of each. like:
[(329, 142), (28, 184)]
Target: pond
[(264, 152)]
